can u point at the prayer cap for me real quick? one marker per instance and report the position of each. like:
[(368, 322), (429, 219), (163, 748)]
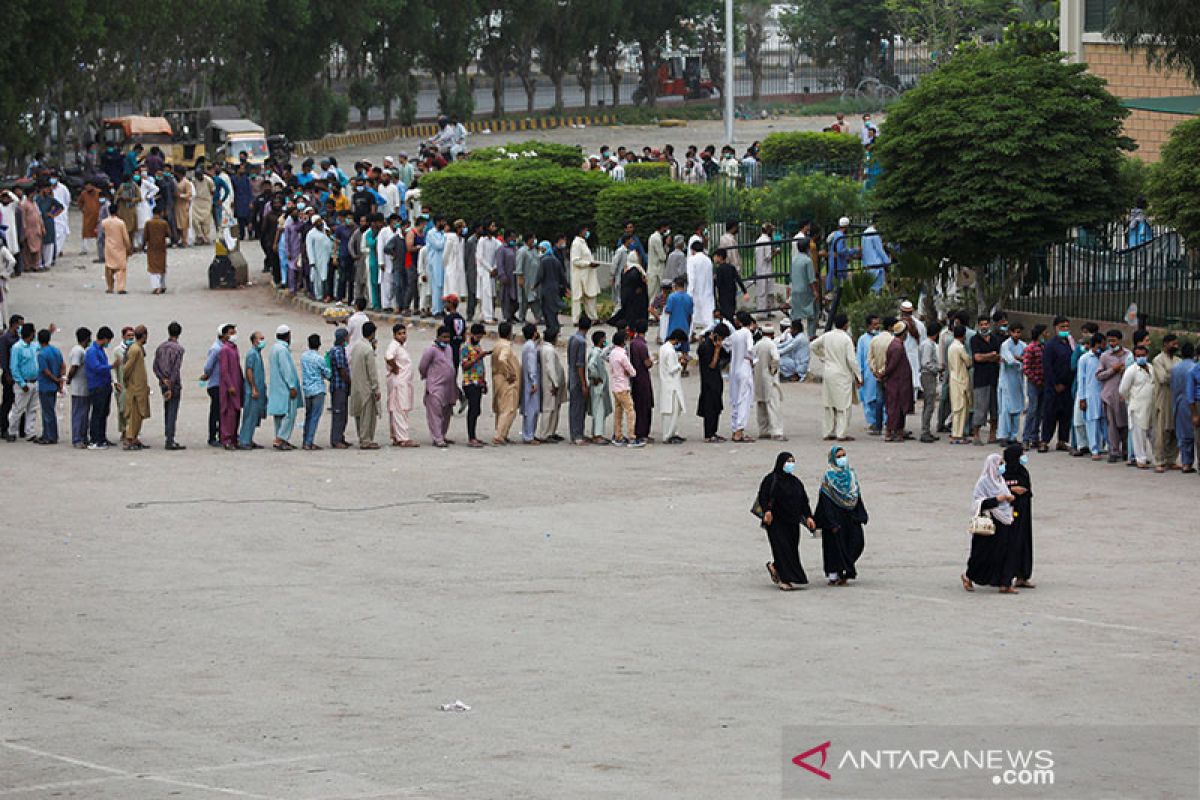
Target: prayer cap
[(906, 305), (843, 222), (899, 328), (282, 330)]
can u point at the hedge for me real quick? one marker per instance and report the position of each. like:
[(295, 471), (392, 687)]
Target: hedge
[(549, 201), (563, 155), (464, 190), (647, 170), (806, 148), (646, 204)]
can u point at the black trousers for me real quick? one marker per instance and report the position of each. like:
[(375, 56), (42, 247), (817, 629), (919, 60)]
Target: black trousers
[(712, 422), (214, 414), (474, 392), (1056, 412), (6, 407), (101, 401)]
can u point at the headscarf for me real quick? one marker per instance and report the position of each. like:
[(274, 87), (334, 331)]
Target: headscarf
[(840, 483), (780, 460), (1014, 470), (991, 484)]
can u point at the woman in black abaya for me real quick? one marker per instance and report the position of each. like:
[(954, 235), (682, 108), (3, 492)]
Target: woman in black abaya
[(785, 505), (841, 516), (993, 558), (1020, 486)]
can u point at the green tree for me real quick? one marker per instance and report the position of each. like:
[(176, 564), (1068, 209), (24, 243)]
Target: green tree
[(447, 48), (1169, 30), (996, 154), (843, 34), (942, 24), (818, 198), (1175, 181)]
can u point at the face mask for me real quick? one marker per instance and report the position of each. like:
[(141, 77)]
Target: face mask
[(1004, 329), (1141, 361), (233, 337), (789, 467), (1064, 334), (841, 461), (259, 345), (128, 342), (1024, 460), (1003, 468)]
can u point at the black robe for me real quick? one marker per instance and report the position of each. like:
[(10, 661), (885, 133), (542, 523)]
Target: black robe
[(1022, 521), (712, 388), (993, 559), (727, 283), (841, 536), (784, 496)]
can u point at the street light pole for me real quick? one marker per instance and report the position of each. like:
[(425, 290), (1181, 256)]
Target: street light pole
[(729, 76)]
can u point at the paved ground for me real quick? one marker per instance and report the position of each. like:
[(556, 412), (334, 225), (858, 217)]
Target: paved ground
[(270, 625)]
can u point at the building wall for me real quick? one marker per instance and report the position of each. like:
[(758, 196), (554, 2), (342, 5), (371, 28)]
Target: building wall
[(1128, 77)]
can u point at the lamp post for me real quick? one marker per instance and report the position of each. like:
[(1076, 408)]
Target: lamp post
[(730, 82)]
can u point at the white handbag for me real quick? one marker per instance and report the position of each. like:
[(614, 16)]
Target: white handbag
[(981, 523)]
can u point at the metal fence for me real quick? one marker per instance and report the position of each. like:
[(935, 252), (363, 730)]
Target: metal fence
[(1097, 275)]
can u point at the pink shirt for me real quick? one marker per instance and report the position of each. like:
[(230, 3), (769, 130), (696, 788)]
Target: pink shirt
[(620, 369)]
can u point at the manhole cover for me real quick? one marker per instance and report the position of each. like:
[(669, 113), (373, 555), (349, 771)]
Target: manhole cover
[(457, 497)]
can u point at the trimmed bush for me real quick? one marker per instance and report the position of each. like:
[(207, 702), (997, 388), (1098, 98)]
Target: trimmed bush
[(465, 189), (549, 201), (563, 155), (646, 204), (816, 197), (806, 148), (647, 170)]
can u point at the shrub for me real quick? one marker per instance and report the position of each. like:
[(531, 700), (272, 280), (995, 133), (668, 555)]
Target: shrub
[(820, 198), (858, 310), (646, 204), (647, 170), (808, 148), (549, 201), (563, 155), (465, 189)]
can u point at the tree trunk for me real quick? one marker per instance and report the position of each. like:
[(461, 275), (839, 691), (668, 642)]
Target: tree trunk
[(530, 84), (559, 101), (498, 93), (754, 38), (387, 111), (585, 76), (650, 71), (614, 81)]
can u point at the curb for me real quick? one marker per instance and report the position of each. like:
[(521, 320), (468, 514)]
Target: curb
[(318, 308), (342, 141)]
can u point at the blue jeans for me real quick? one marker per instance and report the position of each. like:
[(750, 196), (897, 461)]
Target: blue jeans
[(313, 406), (49, 416), (80, 404), (1033, 415)]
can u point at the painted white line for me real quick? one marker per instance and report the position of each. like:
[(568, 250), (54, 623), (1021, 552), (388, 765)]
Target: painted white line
[(206, 787), (67, 759), (45, 787), (271, 762)]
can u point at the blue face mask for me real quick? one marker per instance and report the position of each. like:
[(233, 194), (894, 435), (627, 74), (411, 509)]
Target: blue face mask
[(841, 461), (1003, 468), (789, 467), (1064, 334), (1141, 361), (1024, 460)]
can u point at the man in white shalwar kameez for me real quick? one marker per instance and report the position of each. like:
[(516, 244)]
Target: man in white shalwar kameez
[(767, 391), (741, 375), (8, 218), (700, 287), (916, 335), (145, 210), (452, 262), (1137, 390), (764, 267), (62, 223), (387, 267), (670, 385), (840, 378), (485, 274)]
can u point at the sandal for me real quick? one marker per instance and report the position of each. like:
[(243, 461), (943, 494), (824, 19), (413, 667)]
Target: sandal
[(966, 583), (773, 573), (788, 587), (1023, 584), (1008, 590)]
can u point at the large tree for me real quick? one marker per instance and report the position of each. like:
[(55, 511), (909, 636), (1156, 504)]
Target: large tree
[(942, 24), (998, 153), (1175, 181), (1169, 30)]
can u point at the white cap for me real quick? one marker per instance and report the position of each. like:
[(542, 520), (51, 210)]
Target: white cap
[(843, 222), (282, 330), (387, 159), (905, 305), (315, 219)]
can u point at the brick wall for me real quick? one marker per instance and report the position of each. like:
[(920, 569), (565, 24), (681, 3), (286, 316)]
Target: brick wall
[(1128, 76)]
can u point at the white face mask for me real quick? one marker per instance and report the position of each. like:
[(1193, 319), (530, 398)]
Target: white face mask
[(233, 337)]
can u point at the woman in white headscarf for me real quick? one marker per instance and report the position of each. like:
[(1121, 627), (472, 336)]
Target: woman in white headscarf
[(993, 560)]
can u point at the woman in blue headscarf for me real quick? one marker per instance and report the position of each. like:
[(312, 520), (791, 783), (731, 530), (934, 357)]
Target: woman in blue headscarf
[(841, 516)]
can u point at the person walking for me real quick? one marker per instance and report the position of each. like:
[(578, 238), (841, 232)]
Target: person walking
[(785, 507), (117, 249), (158, 236), (993, 556), (168, 370), (254, 393), (364, 388), (841, 516), (1020, 485)]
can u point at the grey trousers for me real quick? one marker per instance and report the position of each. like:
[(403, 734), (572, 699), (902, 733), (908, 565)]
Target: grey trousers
[(929, 391), (985, 406), (79, 418), (338, 404), (171, 415), (578, 412)]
